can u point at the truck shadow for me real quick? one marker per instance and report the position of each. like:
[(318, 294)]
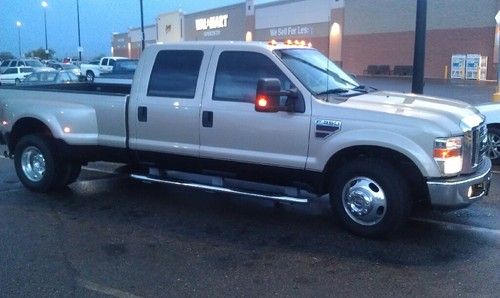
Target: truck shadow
[(252, 226)]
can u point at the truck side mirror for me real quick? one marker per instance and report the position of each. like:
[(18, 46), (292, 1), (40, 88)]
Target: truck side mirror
[(268, 96)]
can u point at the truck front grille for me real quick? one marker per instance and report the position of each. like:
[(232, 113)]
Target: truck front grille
[(474, 148)]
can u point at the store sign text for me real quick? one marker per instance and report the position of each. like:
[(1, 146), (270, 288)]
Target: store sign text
[(214, 22), (291, 30)]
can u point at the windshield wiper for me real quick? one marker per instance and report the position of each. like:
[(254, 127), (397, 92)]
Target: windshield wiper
[(334, 91), (363, 88)]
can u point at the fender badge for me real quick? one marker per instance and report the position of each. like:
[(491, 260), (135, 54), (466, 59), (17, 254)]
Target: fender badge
[(325, 128)]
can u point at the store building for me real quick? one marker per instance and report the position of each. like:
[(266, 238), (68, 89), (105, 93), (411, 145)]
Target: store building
[(356, 34), (120, 45), (224, 23), (170, 27), (135, 35), (385, 33)]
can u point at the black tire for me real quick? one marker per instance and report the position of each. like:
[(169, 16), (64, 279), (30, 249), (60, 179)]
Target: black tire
[(493, 151), (17, 81), (54, 166), (69, 173), (388, 180), (90, 76)]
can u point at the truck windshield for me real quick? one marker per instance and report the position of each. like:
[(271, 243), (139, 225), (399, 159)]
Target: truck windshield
[(318, 74)]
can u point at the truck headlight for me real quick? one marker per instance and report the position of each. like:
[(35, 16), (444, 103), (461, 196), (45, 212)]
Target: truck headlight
[(448, 154)]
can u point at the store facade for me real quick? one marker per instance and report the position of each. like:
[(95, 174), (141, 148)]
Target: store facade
[(356, 34), (119, 45), (170, 27), (288, 20), (224, 23)]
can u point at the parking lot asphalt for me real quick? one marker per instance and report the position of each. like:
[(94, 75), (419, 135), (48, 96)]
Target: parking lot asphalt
[(107, 235), (473, 92)]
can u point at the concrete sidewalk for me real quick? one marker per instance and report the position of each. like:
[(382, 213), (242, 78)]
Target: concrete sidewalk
[(474, 92)]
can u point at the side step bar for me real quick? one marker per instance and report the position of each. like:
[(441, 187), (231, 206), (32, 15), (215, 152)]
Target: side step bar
[(219, 189)]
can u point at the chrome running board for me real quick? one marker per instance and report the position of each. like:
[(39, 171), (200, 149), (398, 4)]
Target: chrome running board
[(219, 189)]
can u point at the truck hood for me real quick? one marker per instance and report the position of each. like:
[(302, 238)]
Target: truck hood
[(439, 111)]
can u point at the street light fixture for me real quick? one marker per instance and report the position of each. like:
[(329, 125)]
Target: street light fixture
[(18, 25), (45, 5)]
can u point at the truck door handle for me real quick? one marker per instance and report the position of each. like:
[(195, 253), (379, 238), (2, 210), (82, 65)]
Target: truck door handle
[(142, 114), (207, 119)]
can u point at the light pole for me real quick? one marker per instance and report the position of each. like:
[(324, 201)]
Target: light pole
[(45, 5), (18, 25), (142, 27), (78, 19), (496, 96), (417, 85)]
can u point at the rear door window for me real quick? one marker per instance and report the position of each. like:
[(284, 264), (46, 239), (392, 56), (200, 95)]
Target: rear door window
[(175, 73)]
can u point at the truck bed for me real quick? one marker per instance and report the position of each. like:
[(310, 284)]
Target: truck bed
[(89, 88), (94, 114)]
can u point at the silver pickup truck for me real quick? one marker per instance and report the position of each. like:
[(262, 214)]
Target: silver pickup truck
[(271, 121)]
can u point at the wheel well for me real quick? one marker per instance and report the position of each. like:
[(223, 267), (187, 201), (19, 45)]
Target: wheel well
[(24, 127), (402, 163)]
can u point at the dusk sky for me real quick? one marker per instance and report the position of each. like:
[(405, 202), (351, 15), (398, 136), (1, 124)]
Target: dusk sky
[(98, 19)]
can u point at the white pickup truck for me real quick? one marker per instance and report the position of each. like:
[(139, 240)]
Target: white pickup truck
[(265, 120), (96, 68)]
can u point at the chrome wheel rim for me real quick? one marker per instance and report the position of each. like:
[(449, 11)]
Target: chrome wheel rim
[(33, 164), (364, 201), (90, 77), (493, 146)]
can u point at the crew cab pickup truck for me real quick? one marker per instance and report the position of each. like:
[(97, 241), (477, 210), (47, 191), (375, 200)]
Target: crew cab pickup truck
[(96, 68), (270, 121)]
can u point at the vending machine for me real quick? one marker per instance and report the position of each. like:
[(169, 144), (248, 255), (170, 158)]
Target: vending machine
[(476, 67), (458, 66), (472, 66)]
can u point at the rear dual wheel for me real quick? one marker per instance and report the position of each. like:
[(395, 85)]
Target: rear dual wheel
[(40, 167)]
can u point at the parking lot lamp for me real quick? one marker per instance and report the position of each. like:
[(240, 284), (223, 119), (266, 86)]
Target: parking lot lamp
[(78, 20), (18, 25), (496, 96), (45, 5)]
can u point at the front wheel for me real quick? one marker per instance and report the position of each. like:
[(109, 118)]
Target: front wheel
[(370, 198), (36, 163), (493, 144), (17, 81), (90, 76)]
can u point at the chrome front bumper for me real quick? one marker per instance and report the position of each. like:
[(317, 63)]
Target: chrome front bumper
[(458, 192)]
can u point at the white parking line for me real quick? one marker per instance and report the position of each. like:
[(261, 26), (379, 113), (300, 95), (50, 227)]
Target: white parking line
[(104, 289), (457, 226)]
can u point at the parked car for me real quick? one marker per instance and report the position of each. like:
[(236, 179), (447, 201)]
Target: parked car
[(122, 73), (492, 113), (15, 75), (96, 68), (65, 66), (33, 63), (51, 77), (270, 121)]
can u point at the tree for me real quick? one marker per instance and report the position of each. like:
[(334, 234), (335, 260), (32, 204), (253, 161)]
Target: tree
[(40, 53), (6, 56)]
